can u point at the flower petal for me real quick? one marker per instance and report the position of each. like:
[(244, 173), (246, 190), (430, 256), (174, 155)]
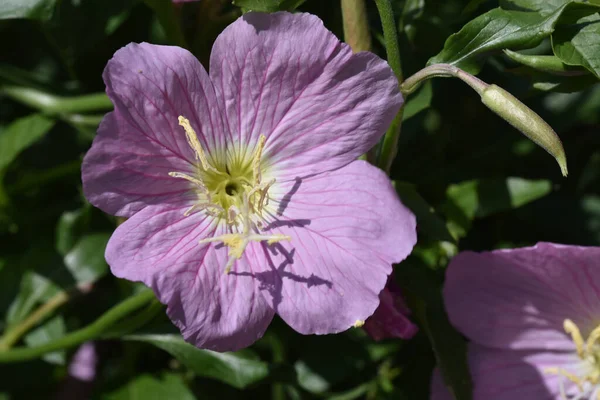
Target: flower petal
[(214, 310), (390, 320), (514, 375), (519, 298), (347, 227), (287, 77), (141, 141)]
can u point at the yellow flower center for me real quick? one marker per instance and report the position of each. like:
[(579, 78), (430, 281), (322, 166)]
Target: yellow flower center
[(234, 192), (588, 351)]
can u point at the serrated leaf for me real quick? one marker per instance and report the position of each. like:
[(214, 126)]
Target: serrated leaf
[(268, 5), (31, 9), (86, 261), (499, 29), (147, 387), (21, 134), (236, 369), (579, 43)]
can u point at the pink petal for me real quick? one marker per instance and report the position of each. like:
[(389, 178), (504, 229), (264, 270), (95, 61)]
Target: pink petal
[(514, 375), (519, 298), (347, 228), (287, 77), (141, 141), (214, 310), (390, 320)]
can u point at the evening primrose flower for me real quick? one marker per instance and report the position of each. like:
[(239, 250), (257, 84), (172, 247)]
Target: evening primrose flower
[(241, 187), (533, 318), (390, 320)]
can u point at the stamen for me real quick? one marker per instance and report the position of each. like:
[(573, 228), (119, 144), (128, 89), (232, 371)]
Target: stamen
[(192, 139), (256, 173), (263, 191), (189, 178), (563, 372), (592, 339), (359, 323), (572, 329), (237, 242)]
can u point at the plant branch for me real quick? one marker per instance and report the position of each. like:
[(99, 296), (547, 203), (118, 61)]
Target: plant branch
[(90, 332)]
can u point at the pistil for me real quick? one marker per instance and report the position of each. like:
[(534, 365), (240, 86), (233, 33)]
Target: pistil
[(236, 194)]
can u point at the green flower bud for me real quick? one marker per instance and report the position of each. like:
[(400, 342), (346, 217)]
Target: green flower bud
[(526, 120)]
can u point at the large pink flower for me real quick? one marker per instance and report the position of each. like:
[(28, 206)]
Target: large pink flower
[(241, 187), (532, 315)]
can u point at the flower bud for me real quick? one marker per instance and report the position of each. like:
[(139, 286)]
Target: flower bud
[(526, 120)]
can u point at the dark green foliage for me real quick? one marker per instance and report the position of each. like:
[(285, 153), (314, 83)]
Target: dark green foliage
[(471, 180)]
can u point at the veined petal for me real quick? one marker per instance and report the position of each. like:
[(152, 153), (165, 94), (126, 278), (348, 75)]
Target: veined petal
[(141, 141), (520, 298), (121, 174), (347, 227), (214, 310), (514, 375), (287, 77)]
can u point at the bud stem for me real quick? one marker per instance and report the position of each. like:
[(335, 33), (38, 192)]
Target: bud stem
[(441, 71), (507, 106)]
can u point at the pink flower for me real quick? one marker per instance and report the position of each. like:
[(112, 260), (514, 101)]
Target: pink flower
[(242, 188), (532, 316), (390, 320)]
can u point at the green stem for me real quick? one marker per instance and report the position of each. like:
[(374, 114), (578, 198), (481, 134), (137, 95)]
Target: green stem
[(389, 147), (90, 332), (52, 104), (13, 335), (356, 25), (441, 71), (136, 322)]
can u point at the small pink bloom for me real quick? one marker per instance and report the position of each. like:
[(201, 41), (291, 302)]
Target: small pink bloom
[(241, 186), (532, 315), (390, 320)]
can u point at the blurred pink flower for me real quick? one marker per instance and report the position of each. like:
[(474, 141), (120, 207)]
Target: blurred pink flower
[(532, 316), (390, 320)]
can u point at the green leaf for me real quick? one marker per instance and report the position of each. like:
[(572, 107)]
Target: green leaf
[(429, 223), (85, 261), (70, 228), (268, 5), (237, 369), (499, 29), (549, 64), (578, 43), (49, 331), (147, 387), (34, 289), (543, 7), (423, 289), (418, 101), (481, 198), (21, 134), (31, 9)]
